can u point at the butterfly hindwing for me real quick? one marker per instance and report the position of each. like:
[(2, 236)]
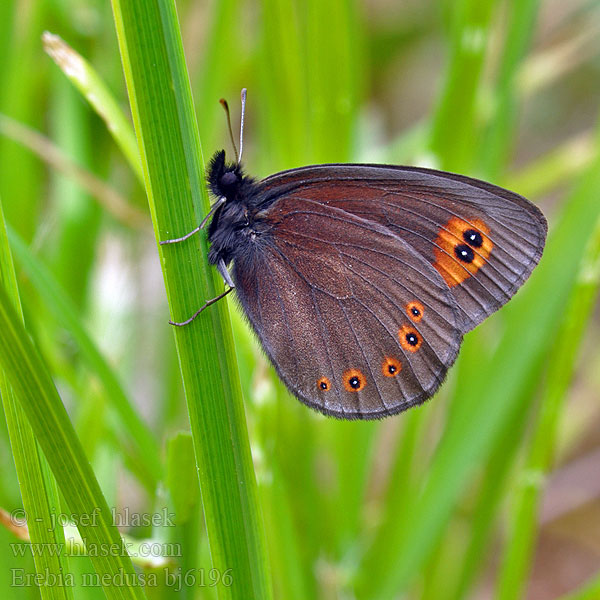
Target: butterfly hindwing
[(483, 240), (357, 323)]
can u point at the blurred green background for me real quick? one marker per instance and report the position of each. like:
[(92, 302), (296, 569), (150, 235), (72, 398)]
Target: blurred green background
[(490, 490)]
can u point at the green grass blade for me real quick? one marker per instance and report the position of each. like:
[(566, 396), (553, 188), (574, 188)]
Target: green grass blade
[(284, 106), (557, 167), (497, 143), (489, 499), (561, 363), (333, 45), (147, 454), (184, 493), (96, 92), (38, 490), (474, 424), (165, 124), (72, 245), (290, 581), (453, 128), (20, 175), (590, 591), (214, 75), (53, 430), (380, 557)]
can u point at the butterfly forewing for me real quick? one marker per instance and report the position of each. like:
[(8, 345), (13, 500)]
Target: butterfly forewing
[(357, 323), (483, 240)]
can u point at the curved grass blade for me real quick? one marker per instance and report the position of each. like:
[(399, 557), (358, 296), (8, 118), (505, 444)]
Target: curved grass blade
[(147, 454), (95, 91), (38, 489), (54, 432)]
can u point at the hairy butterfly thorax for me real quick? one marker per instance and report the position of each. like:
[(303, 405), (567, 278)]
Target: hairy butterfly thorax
[(237, 231), (361, 280)]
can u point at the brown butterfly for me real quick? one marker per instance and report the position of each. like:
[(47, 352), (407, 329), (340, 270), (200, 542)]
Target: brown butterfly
[(361, 280)]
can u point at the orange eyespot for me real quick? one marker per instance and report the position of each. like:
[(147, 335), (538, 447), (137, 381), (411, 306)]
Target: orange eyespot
[(461, 248), (391, 366), (414, 310), (323, 384), (409, 337), (354, 380)]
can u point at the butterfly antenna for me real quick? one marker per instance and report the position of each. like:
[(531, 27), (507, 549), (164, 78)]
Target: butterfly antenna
[(226, 107), (242, 124)]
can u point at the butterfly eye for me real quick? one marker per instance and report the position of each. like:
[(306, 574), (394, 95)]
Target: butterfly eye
[(409, 338), (229, 178), (324, 384), (414, 310), (354, 380), (391, 366)]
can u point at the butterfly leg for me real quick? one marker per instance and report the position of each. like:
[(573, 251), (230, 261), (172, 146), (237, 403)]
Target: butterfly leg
[(222, 267), (205, 305), (180, 239), (211, 212)]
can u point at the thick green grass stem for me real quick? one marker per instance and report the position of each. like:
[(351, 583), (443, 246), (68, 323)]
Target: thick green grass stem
[(166, 128)]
